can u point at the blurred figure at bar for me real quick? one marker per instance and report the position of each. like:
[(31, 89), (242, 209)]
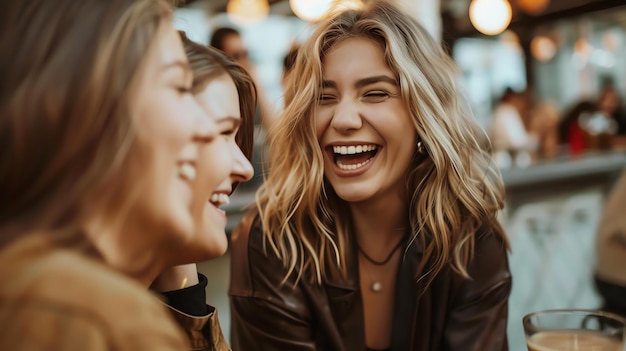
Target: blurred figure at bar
[(99, 138), (543, 124), (571, 132), (610, 104), (603, 124), (610, 273), (229, 41), (288, 62), (512, 142)]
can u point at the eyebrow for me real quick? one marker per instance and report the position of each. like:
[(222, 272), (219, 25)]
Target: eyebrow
[(178, 64), (236, 121), (363, 82)]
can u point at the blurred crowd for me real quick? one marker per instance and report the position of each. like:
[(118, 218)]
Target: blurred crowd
[(526, 128)]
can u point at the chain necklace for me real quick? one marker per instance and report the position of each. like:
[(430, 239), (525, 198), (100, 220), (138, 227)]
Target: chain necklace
[(376, 285)]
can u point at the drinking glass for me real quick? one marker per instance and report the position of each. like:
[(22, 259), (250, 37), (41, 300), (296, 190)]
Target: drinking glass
[(574, 330)]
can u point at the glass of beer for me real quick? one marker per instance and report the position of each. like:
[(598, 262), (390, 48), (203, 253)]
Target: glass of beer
[(574, 330)]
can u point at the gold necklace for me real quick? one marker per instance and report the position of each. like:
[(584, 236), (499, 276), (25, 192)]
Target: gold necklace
[(376, 286)]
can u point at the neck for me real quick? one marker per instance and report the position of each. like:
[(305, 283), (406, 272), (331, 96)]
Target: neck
[(379, 226), (123, 249)]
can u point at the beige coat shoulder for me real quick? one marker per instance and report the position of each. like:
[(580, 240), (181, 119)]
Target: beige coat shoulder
[(611, 236), (58, 299)]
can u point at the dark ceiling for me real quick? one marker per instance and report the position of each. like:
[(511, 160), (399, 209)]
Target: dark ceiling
[(455, 12)]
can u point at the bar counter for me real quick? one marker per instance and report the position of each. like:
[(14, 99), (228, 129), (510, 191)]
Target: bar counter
[(562, 175), (551, 216)]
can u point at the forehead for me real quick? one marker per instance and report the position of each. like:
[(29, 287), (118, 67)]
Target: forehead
[(167, 46), (220, 97), (358, 55), (232, 40)]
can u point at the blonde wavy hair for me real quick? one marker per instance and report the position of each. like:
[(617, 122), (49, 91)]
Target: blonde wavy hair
[(454, 190)]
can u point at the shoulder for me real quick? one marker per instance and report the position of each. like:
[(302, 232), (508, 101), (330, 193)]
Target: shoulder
[(248, 234), (248, 248), (256, 271), (489, 267), (205, 332), (490, 251), (48, 283)]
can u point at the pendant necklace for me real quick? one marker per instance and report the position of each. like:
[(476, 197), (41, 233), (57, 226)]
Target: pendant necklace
[(376, 285)]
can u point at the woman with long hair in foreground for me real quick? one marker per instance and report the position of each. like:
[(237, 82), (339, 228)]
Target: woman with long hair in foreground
[(101, 137)]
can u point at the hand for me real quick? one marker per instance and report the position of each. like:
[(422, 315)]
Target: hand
[(176, 278)]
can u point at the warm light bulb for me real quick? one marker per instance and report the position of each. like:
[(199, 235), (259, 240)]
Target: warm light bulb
[(542, 48), (313, 10), (310, 10), (490, 17), (247, 12), (532, 7)]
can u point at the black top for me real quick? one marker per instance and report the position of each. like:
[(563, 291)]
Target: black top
[(190, 300)]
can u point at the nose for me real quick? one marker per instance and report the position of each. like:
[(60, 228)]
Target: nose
[(242, 168), (346, 116)]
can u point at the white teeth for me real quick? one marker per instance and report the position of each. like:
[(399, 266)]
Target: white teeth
[(220, 199), (353, 166), (351, 150), (187, 171)]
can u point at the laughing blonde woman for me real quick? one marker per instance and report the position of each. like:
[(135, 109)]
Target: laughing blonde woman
[(375, 228)]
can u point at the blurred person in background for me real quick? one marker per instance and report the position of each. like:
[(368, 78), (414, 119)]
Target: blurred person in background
[(227, 94), (376, 227), (610, 103), (229, 41), (512, 142), (570, 130), (543, 124), (288, 62), (100, 136)]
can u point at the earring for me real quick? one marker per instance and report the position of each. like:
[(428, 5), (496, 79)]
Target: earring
[(420, 147)]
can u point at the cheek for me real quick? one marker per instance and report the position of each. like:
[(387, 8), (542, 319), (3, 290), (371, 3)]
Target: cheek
[(322, 121), (167, 125), (210, 166)]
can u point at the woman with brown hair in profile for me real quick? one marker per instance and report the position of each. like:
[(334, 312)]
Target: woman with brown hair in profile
[(100, 137), (226, 93)]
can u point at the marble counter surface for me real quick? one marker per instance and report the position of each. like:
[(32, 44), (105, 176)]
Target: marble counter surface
[(551, 217)]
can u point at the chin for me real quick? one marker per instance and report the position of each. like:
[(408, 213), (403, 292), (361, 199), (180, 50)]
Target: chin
[(216, 244), (352, 194)]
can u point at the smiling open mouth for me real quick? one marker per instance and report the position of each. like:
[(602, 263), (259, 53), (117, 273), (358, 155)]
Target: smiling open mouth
[(353, 157), (219, 199)]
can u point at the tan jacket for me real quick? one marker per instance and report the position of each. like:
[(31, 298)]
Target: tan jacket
[(611, 237), (204, 333), (53, 298)]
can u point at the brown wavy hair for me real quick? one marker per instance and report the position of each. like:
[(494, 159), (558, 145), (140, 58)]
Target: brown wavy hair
[(68, 68), (208, 63)]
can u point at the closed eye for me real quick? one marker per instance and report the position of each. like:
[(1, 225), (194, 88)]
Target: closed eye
[(230, 132), (183, 89), (229, 126), (325, 99), (376, 96)]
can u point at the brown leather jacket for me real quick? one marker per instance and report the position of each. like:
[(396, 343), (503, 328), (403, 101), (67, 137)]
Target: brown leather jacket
[(453, 314)]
